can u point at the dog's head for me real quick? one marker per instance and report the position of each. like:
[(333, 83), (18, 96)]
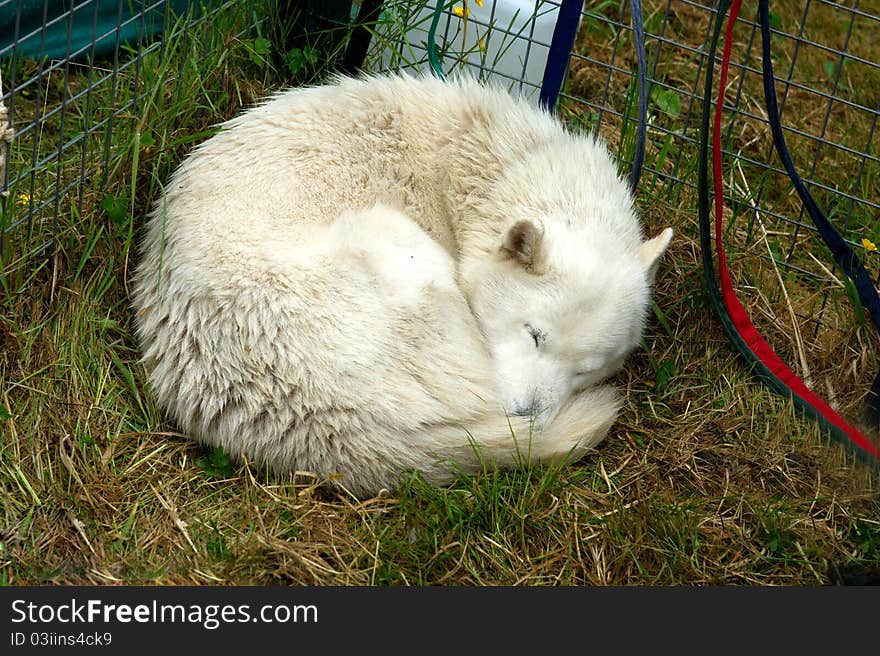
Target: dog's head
[(561, 309)]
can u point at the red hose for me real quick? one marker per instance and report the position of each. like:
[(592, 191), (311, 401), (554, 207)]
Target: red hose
[(737, 312)]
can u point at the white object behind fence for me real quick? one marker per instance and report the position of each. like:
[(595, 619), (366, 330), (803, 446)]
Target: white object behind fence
[(506, 41)]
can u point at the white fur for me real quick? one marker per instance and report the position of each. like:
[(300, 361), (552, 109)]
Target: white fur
[(336, 283)]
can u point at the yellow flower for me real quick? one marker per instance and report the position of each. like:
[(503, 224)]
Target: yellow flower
[(460, 11), (479, 3), (869, 245), (23, 197)]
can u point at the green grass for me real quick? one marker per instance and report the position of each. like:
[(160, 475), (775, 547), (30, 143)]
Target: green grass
[(707, 478)]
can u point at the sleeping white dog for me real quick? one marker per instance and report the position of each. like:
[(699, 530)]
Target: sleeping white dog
[(393, 273)]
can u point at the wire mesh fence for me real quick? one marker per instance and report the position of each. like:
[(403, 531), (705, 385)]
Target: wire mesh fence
[(829, 70), (72, 71)]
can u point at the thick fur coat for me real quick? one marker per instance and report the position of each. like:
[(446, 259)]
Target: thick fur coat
[(340, 282)]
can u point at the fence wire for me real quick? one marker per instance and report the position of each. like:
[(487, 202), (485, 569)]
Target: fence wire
[(827, 76), (56, 58)]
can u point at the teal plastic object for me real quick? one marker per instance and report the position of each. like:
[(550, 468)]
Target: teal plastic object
[(61, 29)]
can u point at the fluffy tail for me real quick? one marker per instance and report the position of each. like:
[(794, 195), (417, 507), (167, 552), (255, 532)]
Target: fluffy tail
[(507, 442)]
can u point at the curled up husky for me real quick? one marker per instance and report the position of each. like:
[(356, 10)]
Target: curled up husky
[(391, 274)]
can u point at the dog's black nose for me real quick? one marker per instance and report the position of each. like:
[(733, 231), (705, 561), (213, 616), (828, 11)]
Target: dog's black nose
[(526, 410)]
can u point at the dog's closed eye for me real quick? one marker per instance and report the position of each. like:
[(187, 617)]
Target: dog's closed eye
[(538, 335)]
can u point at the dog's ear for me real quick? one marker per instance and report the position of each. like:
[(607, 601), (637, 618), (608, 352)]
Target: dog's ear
[(524, 242), (652, 250)]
